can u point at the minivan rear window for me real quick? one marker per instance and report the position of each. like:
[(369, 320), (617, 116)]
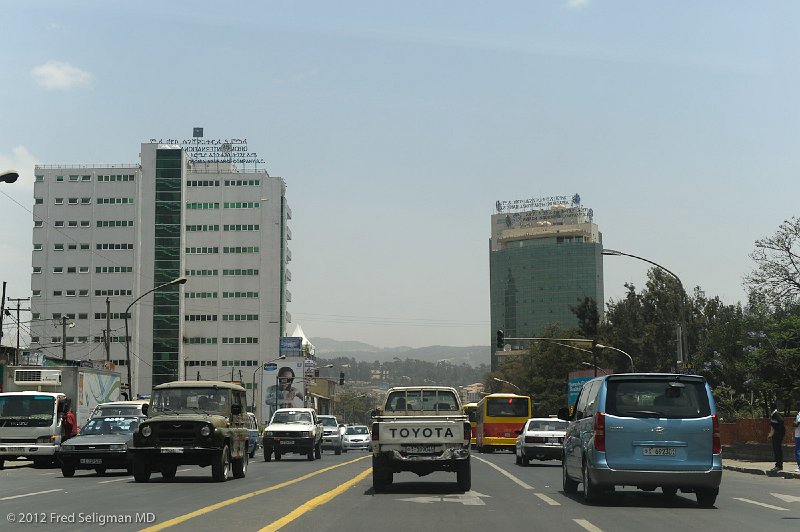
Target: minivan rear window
[(667, 398)]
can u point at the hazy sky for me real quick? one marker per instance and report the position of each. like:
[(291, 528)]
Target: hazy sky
[(397, 125)]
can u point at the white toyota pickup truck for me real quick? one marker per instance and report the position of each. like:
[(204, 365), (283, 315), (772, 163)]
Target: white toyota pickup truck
[(420, 429)]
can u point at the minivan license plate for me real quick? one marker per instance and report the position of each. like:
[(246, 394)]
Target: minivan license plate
[(658, 451), (91, 461), (177, 450)]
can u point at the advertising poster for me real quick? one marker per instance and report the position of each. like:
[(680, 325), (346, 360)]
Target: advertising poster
[(284, 384)]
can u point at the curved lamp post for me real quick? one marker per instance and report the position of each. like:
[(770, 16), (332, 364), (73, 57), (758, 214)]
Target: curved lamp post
[(601, 346), (179, 280), (684, 352), (9, 176), (509, 383)]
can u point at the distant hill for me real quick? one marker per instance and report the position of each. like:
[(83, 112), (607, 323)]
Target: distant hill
[(473, 355)]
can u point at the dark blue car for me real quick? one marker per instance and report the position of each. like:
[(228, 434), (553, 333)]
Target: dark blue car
[(253, 436)]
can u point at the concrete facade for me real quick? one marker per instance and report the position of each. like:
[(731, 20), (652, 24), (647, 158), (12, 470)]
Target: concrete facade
[(113, 232)]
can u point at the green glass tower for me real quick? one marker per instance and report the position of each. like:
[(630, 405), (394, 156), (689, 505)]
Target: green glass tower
[(545, 257)]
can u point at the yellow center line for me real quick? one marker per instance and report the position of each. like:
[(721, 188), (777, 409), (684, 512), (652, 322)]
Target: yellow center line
[(222, 504), (313, 503)]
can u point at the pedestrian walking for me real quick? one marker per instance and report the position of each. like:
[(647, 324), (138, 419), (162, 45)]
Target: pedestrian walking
[(777, 431), (797, 438)]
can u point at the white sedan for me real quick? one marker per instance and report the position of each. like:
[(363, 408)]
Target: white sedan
[(540, 438), (356, 437)]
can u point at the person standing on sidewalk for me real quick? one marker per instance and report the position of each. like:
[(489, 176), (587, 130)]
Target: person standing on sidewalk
[(797, 438), (777, 432)]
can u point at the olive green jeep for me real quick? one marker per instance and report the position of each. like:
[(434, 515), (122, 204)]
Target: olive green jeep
[(193, 423)]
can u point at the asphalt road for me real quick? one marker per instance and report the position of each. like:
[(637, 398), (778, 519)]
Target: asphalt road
[(335, 494)]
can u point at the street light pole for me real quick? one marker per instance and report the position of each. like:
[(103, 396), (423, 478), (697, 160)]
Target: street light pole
[(682, 345), (601, 346), (509, 383), (179, 280)]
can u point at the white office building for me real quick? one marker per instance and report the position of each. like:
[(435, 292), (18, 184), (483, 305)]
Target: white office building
[(106, 235)]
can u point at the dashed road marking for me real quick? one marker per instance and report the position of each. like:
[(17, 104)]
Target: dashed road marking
[(587, 525), (28, 494), (765, 505), (506, 473), (548, 500)]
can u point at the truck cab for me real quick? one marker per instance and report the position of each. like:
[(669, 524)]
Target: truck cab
[(31, 426)]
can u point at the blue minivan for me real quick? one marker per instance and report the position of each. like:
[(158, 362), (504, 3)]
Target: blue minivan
[(646, 430)]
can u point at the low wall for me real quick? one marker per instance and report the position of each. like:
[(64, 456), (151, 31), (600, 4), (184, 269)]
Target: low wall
[(753, 431)]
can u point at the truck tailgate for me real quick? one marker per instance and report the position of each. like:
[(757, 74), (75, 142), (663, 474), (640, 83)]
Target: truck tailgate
[(434, 430)]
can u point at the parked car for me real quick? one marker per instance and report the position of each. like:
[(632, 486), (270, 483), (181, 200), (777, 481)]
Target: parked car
[(356, 437), (253, 435), (102, 444), (331, 433), (646, 430), (540, 438)]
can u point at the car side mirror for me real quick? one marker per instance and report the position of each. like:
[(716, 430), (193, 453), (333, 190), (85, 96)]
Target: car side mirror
[(236, 409), (563, 413), (375, 413), (145, 408)]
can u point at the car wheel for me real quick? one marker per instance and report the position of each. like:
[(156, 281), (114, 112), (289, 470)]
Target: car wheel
[(311, 454), (706, 497), (2, 464), (591, 493), (525, 461), (570, 486), (267, 454), (253, 451), (240, 466), (464, 476), (381, 475), (141, 470), (318, 451), (68, 471), (221, 465), (168, 471), (100, 470)]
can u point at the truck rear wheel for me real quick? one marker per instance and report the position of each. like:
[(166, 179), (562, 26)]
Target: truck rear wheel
[(381, 475), (68, 471), (267, 454), (464, 476), (240, 466)]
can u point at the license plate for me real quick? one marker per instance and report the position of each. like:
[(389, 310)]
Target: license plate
[(419, 449), (167, 450), (552, 440), (16, 449), (658, 451), (91, 460), (287, 442)]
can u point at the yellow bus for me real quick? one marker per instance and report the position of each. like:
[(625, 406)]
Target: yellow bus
[(498, 416), (471, 411)]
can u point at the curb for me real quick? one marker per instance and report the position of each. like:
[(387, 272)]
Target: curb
[(763, 472)]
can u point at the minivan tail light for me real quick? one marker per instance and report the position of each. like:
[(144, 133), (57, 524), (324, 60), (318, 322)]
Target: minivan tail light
[(600, 431), (716, 442), (375, 432)]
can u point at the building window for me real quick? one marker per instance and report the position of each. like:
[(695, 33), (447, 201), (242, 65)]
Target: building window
[(73, 201), (37, 247), (72, 223), (85, 246), (38, 201), (70, 293), (58, 247), (86, 201), (72, 246), (57, 293), (58, 201), (58, 269), (83, 316), (83, 269), (37, 269), (38, 223), (73, 178), (37, 293), (86, 223), (40, 179), (83, 293), (71, 269), (58, 223), (59, 178)]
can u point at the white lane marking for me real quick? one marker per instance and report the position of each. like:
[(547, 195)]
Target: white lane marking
[(506, 473), (762, 504), (786, 498), (47, 474), (28, 494), (115, 480), (548, 500), (471, 498), (587, 525)]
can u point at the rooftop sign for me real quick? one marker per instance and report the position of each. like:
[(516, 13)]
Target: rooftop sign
[(538, 203), (203, 150)]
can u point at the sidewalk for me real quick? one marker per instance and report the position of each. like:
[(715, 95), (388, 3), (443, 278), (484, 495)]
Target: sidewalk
[(761, 468)]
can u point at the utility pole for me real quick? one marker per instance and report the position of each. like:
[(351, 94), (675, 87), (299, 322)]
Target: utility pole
[(63, 337), (108, 330), (18, 300), (2, 311)]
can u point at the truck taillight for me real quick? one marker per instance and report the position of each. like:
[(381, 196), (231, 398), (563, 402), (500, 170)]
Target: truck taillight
[(716, 441), (375, 432), (467, 431), (600, 431)]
